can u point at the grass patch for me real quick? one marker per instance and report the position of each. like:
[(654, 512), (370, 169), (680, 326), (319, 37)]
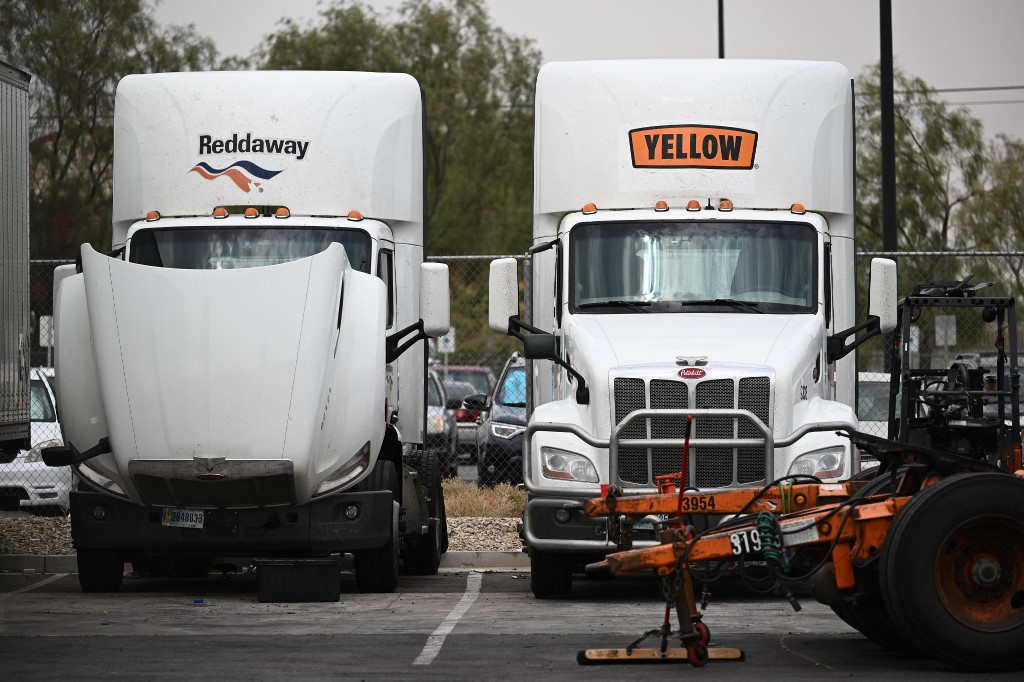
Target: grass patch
[(466, 499)]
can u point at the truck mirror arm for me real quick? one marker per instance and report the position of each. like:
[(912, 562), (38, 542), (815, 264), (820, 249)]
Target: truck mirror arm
[(65, 455), (837, 347), (515, 328), (394, 344)]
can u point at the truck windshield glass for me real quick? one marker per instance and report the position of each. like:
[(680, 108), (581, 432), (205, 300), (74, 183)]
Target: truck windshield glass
[(693, 266), (229, 248)]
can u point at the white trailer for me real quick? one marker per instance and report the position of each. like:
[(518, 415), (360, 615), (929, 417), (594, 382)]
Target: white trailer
[(692, 251), (241, 377), (14, 291)]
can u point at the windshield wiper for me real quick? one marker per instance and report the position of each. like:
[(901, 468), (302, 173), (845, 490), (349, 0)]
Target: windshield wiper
[(727, 301), (632, 305)]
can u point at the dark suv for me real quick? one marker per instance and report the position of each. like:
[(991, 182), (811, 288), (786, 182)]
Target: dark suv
[(499, 436)]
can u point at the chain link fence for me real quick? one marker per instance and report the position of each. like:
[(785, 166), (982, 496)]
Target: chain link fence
[(473, 362)]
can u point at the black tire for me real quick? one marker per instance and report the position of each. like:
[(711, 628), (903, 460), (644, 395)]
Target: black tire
[(377, 569), (423, 552), (951, 571), (550, 574), (100, 570)]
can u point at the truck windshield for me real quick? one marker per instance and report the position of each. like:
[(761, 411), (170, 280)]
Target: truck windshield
[(228, 248), (692, 266)]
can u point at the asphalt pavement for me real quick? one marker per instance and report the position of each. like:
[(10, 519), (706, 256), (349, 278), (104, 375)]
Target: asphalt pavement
[(457, 625)]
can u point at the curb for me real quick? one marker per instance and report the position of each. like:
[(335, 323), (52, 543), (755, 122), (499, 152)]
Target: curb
[(67, 563)]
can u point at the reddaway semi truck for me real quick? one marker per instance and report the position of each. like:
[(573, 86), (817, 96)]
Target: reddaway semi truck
[(242, 376), (693, 253)]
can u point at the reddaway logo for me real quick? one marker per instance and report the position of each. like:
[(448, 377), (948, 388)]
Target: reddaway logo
[(242, 173), (246, 174)]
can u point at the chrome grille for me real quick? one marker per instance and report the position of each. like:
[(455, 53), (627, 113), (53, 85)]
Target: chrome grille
[(708, 467)]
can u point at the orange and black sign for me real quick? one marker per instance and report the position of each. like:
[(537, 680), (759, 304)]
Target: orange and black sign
[(692, 146)]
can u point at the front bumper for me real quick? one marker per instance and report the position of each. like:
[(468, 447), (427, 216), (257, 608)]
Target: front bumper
[(578, 533), (319, 527)]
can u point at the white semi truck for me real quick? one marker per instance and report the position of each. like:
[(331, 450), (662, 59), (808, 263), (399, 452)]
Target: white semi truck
[(241, 376), (692, 251)]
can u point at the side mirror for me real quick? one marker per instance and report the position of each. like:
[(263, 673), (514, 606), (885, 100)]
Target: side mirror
[(882, 293), (540, 347), (503, 293), (477, 401), (435, 303)]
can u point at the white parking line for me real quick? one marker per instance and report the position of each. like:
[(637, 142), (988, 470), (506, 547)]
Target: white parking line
[(45, 581), (436, 639)]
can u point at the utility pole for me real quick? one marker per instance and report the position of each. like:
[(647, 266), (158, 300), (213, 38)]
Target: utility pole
[(888, 129), (721, 29)]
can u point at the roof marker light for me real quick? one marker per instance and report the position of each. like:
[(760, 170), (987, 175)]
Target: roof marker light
[(724, 205), (220, 212), (355, 215), (282, 212), (589, 208), (692, 205), (152, 215), (660, 205), (251, 212), (798, 209)]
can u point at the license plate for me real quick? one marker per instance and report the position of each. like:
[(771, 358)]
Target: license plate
[(183, 518)]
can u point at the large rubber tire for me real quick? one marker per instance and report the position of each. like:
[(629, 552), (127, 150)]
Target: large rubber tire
[(100, 570), (423, 552), (952, 571), (550, 574), (377, 569)]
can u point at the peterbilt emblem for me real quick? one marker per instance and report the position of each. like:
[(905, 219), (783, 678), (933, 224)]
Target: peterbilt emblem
[(691, 373), (691, 360)]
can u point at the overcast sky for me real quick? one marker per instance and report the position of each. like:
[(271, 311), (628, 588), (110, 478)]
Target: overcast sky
[(948, 43)]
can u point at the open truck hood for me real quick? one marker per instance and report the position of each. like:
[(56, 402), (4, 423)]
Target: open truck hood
[(214, 363)]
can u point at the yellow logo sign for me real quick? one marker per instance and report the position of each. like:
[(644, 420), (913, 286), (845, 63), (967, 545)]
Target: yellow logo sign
[(692, 146)]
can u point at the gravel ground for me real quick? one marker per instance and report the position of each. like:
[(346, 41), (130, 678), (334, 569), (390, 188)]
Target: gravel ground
[(22, 534)]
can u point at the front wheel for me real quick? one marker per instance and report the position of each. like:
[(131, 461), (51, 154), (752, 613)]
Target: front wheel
[(550, 574), (952, 571), (377, 569)]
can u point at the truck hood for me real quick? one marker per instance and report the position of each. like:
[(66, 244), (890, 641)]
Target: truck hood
[(212, 363), (659, 337)]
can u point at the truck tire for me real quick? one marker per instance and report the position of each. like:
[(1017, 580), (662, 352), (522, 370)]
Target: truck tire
[(550, 574), (100, 570), (423, 552), (951, 571), (377, 569)]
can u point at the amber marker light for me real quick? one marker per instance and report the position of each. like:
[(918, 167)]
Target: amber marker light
[(282, 212), (152, 215), (798, 209), (251, 212), (725, 205), (692, 205), (660, 205), (355, 215), (589, 208), (220, 212)]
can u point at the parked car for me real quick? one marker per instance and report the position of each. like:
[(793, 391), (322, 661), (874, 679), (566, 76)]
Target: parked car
[(25, 481), (500, 433), (480, 376), (465, 419), (441, 434)]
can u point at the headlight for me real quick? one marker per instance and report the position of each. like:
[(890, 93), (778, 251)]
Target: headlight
[(506, 430), (563, 465), (347, 472), (435, 424), (825, 463), (36, 453)]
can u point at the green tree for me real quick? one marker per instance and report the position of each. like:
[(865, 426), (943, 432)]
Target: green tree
[(77, 51), (994, 218), (940, 158), (478, 83)]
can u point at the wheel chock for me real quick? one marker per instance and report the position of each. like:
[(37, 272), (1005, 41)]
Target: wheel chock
[(653, 655)]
